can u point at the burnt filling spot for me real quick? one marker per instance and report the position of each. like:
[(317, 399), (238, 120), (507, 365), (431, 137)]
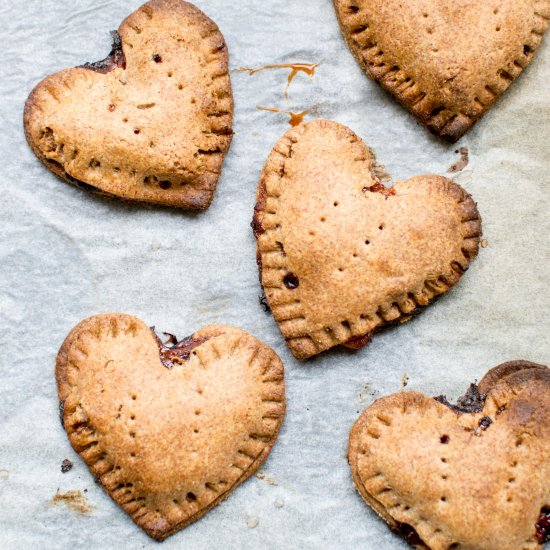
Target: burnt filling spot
[(262, 299), (484, 422), (61, 411), (157, 58), (116, 58), (259, 263), (408, 532), (175, 352), (542, 526), (444, 439), (471, 402), (358, 342), (291, 281), (256, 223)]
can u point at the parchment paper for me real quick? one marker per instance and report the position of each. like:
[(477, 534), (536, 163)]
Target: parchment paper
[(65, 254)]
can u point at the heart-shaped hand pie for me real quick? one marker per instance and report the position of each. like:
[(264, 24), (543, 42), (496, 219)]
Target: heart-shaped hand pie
[(151, 122), (446, 61), (339, 254), (475, 476), (169, 431)]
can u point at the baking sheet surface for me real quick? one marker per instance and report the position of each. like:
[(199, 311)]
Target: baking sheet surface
[(65, 255)]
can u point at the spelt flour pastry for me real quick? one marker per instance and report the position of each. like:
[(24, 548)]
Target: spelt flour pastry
[(471, 476), (169, 430), (447, 61), (339, 254), (151, 122)]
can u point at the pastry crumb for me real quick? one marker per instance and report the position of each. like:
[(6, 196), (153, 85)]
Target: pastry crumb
[(74, 499), (366, 394), (260, 474), (252, 522), (66, 466), (379, 170)]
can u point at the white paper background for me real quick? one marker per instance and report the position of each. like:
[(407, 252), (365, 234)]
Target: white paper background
[(65, 254)]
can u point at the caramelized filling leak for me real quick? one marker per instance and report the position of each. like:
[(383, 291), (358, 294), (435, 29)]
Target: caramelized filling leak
[(295, 118), (380, 188), (116, 58), (543, 526), (295, 68), (174, 352)]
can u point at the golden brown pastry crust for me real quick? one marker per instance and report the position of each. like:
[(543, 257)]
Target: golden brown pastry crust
[(474, 481), (168, 444), (153, 128), (446, 61), (360, 259)]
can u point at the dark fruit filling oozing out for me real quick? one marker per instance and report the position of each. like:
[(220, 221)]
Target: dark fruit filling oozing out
[(358, 342), (173, 352), (543, 526), (408, 532), (471, 402), (115, 59)]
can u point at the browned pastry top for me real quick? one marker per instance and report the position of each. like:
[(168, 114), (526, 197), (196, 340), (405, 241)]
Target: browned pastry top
[(461, 480), (169, 432), (447, 61), (341, 255), (152, 122)]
